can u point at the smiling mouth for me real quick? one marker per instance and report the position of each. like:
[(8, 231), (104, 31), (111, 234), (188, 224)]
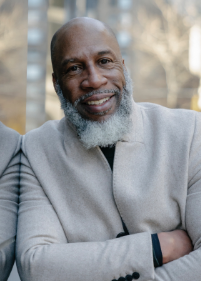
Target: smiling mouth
[(98, 99), (98, 102)]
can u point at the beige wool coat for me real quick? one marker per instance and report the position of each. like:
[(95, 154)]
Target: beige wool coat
[(71, 203), (9, 189)]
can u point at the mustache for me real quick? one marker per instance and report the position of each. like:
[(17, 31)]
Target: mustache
[(115, 91)]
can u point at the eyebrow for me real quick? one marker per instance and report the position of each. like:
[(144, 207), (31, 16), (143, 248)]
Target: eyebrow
[(105, 52), (66, 61)]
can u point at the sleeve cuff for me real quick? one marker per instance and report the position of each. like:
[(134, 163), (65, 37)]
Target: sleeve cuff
[(157, 253)]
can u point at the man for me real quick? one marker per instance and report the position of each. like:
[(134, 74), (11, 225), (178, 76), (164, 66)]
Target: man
[(9, 188), (98, 185)]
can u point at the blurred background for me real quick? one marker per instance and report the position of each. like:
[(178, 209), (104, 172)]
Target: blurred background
[(13, 63), (160, 42)]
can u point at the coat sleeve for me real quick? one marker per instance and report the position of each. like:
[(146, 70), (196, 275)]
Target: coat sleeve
[(189, 267), (9, 189), (43, 252)]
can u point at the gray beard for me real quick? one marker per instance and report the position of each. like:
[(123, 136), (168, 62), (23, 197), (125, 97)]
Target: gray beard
[(106, 133)]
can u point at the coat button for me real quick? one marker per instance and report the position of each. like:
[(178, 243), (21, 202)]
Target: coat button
[(121, 279), (136, 275), (129, 278)]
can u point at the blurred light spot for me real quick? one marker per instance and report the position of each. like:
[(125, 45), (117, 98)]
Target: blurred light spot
[(126, 19), (35, 36), (124, 39), (195, 50), (34, 16), (125, 4), (34, 72), (36, 3)]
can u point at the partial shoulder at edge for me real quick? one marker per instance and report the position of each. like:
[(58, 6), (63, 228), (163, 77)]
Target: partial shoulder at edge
[(159, 109), (49, 133), (9, 137), (181, 121)]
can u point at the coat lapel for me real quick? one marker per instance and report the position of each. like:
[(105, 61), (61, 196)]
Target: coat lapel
[(78, 183)]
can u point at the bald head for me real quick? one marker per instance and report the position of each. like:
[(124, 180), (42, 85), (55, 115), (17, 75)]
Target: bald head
[(76, 27), (86, 59)]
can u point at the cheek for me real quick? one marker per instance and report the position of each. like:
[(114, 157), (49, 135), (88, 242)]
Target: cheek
[(71, 90), (117, 78), (117, 83)]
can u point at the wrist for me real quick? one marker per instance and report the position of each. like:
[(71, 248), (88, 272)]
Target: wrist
[(167, 245)]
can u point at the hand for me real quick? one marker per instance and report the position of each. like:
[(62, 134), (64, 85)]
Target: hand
[(174, 245)]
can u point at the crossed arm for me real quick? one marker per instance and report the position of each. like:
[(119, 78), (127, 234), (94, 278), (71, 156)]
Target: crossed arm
[(43, 252), (9, 188)]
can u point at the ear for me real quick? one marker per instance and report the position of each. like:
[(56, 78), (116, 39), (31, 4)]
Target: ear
[(54, 80), (123, 62)]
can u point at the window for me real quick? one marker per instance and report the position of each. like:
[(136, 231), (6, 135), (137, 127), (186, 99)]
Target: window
[(125, 4), (113, 2), (92, 4)]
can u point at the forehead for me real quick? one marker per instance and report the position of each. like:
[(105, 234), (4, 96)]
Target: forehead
[(85, 41)]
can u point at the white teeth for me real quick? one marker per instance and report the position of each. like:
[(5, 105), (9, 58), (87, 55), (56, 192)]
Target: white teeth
[(97, 101)]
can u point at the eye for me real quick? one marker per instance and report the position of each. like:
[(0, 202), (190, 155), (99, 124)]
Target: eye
[(74, 68), (104, 61)]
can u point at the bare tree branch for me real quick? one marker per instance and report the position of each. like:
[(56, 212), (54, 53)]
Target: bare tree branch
[(165, 35)]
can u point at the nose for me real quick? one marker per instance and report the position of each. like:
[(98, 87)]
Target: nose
[(94, 79)]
